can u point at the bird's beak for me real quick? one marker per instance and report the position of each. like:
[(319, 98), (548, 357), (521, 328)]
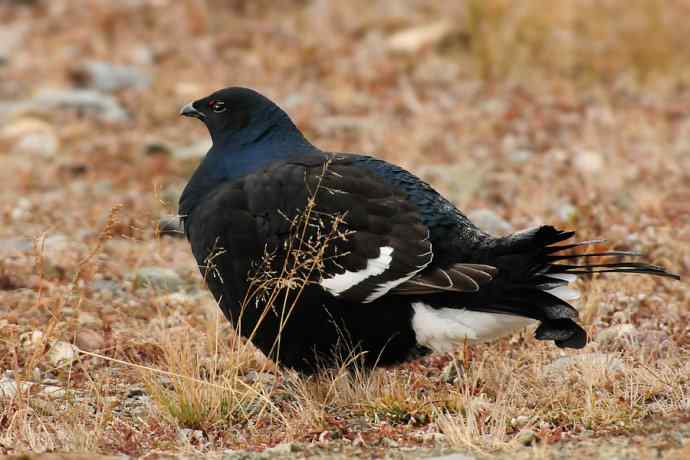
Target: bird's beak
[(189, 111)]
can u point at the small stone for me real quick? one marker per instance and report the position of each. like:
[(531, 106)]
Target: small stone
[(588, 162), (197, 437), (413, 39), (31, 136), (456, 456), (61, 354), (491, 223), (433, 437), (109, 77), (284, 448), (566, 212), (90, 340), (105, 285), (617, 333), (159, 278), (262, 378), (53, 391), (388, 442), (526, 437), (520, 421), (521, 156), (9, 388), (84, 318), (603, 361), (32, 339), (90, 102)]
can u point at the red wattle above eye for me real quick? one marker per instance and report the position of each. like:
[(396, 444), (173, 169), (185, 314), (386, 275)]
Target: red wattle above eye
[(210, 103)]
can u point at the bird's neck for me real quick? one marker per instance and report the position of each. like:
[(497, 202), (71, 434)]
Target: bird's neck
[(231, 158)]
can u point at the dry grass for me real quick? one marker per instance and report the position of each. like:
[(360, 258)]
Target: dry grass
[(505, 109)]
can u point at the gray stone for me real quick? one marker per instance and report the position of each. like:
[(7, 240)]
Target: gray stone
[(109, 77), (588, 162), (490, 222), (618, 332), (284, 448), (90, 102), (526, 437), (61, 353), (610, 363), (456, 456), (163, 279)]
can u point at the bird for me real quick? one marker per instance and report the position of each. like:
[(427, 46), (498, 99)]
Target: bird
[(317, 257)]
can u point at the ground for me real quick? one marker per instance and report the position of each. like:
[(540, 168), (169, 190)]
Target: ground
[(574, 113)]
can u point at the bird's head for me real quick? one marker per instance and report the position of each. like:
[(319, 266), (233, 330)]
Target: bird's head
[(240, 115)]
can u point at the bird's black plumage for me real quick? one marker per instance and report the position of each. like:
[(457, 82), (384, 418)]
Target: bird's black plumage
[(312, 254)]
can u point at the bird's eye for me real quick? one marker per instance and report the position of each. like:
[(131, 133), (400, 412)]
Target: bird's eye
[(217, 106)]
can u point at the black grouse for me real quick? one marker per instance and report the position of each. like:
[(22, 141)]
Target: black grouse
[(313, 255)]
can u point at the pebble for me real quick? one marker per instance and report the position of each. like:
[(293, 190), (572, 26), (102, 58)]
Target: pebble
[(31, 339), (526, 437), (90, 340), (610, 363), (589, 162), (159, 278), (618, 332), (490, 222), (61, 353), (108, 77), (413, 39), (456, 456), (284, 448), (89, 102), (31, 136)]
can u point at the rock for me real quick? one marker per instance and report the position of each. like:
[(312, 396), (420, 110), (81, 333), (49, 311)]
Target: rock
[(589, 162), (520, 421), (14, 246), (262, 378), (433, 437), (9, 387), (90, 102), (30, 340), (11, 38), (456, 456), (84, 318), (603, 361), (389, 443), (159, 278), (171, 226), (105, 285), (109, 77), (53, 391), (90, 340), (413, 39), (566, 212), (61, 354), (616, 334), (31, 136), (189, 436), (520, 156), (285, 448), (491, 223), (526, 437)]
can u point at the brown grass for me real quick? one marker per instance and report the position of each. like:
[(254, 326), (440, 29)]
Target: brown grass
[(497, 112)]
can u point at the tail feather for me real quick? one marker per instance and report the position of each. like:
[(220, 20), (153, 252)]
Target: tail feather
[(536, 284)]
